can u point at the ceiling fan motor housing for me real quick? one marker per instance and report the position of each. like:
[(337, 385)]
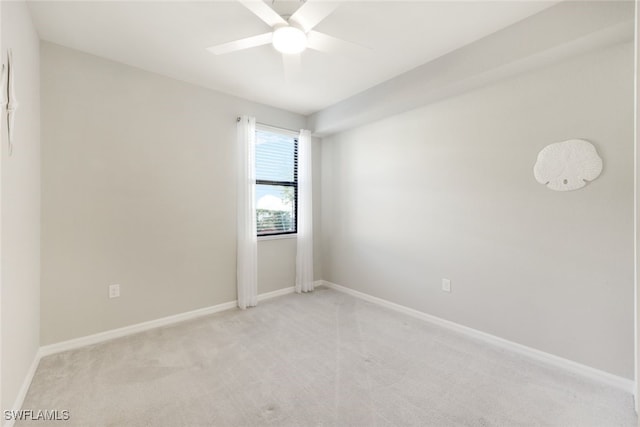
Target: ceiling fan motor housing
[(289, 40)]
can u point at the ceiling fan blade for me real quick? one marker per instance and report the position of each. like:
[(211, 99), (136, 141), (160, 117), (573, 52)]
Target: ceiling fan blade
[(311, 13), (326, 43), (292, 65), (241, 44), (264, 12)]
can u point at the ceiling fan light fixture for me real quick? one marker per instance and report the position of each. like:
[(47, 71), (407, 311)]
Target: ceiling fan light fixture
[(289, 40)]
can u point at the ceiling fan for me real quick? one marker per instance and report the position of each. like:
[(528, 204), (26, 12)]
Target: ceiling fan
[(289, 36)]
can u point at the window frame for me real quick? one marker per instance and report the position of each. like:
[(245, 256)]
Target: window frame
[(294, 183)]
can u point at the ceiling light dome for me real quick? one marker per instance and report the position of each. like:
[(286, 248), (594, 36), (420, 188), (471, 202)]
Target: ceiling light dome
[(289, 40)]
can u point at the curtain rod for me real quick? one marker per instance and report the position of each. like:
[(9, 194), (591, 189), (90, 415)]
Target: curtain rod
[(271, 126)]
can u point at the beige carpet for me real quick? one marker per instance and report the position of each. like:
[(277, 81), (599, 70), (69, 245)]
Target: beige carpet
[(320, 359)]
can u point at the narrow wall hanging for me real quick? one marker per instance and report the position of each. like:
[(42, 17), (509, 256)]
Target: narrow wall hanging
[(3, 91), (12, 103), (567, 165)]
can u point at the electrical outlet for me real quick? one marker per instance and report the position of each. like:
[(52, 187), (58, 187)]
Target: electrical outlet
[(114, 291), (446, 285)]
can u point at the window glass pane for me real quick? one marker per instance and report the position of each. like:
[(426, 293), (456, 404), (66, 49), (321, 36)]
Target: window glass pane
[(274, 156), (275, 208)]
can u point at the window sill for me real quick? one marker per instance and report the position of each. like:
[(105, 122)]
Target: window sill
[(278, 237)]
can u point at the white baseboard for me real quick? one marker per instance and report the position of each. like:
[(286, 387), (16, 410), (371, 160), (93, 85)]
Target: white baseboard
[(621, 383), (279, 292), (152, 324), (133, 329), (26, 383)]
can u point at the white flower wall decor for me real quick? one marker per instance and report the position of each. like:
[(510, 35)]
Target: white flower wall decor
[(567, 165)]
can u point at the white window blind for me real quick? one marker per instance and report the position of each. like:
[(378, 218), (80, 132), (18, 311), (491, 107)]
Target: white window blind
[(276, 181)]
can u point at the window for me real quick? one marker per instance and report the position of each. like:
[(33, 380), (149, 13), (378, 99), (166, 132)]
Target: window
[(276, 181)]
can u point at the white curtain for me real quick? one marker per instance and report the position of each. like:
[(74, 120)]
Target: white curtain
[(247, 248), (304, 254)]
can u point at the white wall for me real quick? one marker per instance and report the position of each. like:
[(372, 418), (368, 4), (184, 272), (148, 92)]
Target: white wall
[(447, 191), (138, 189), (20, 206)]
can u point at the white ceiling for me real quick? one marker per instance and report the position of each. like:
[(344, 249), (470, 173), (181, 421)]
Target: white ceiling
[(170, 38)]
